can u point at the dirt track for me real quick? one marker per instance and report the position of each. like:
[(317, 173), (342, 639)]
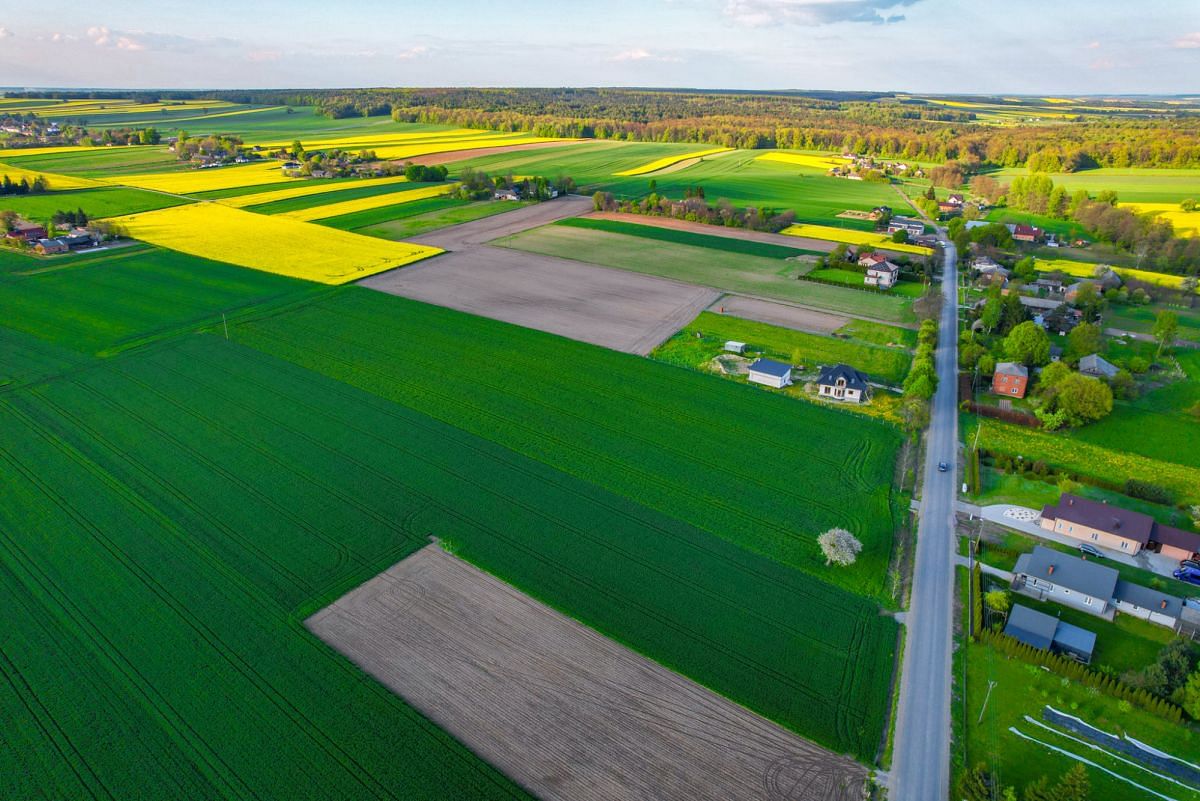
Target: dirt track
[(800, 242), (765, 311), (564, 711), (615, 308)]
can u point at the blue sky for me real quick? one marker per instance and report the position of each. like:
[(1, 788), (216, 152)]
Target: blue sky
[(1020, 46)]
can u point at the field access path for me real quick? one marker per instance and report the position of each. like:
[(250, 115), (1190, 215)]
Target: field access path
[(921, 762)]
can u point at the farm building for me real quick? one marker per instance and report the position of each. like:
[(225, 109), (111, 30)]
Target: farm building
[(1026, 233), (49, 247), (28, 231), (843, 383), (1010, 379), (1095, 365), (912, 227), (880, 272), (1048, 633), (506, 194), (1116, 528), (1049, 575), (735, 347), (771, 373)]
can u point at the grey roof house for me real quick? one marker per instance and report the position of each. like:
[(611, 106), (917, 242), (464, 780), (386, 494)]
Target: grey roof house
[(1049, 575), (842, 382), (770, 373), (1050, 634), (1096, 365)]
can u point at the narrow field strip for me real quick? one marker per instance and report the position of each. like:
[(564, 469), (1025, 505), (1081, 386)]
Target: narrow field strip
[(663, 163), (195, 180), (804, 160), (853, 237), (278, 244), (310, 187), (53, 181), (367, 203)]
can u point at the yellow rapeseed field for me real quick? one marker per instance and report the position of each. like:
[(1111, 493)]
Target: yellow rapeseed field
[(805, 160), (1083, 269), (1187, 223), (663, 163), (366, 203), (196, 180), (852, 237), (309, 187), (272, 244), (53, 180)]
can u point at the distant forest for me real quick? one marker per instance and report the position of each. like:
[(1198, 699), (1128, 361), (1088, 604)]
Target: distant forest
[(880, 124)]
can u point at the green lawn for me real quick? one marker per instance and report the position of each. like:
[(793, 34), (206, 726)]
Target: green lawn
[(906, 289), (96, 203), (106, 163), (1143, 185), (732, 272), (879, 333), (1013, 690), (1062, 228), (1140, 319), (888, 365), (747, 247)]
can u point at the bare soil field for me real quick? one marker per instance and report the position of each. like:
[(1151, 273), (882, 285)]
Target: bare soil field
[(449, 156), (803, 243), (781, 314), (614, 308), (562, 710)]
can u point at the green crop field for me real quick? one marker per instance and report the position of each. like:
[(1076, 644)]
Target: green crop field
[(129, 295), (100, 202), (199, 497), (1142, 185), (375, 221), (888, 365), (746, 247), (102, 163), (351, 192), (756, 275), (739, 176)]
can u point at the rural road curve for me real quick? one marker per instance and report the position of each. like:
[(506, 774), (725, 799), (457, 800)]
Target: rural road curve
[(921, 762)]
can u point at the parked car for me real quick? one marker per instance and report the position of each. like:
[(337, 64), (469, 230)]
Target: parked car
[(1192, 563), (1190, 575), (1090, 550), (943, 467)]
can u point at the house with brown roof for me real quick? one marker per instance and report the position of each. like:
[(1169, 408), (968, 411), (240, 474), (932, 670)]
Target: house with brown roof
[(1010, 379), (1026, 233), (1120, 529)]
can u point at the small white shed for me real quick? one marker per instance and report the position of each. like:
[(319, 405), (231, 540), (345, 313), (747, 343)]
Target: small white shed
[(735, 347)]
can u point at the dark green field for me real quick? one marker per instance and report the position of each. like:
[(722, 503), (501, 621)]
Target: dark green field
[(351, 192), (729, 245), (174, 509), (368, 218)]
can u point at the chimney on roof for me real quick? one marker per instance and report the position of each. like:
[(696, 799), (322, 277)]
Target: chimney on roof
[(1050, 570), (1070, 501), (1116, 523), (1163, 605)]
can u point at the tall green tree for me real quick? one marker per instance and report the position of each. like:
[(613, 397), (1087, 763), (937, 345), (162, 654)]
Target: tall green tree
[(1074, 785), (1084, 340), (1166, 323), (1028, 344)]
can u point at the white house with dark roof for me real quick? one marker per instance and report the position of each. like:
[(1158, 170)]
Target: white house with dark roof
[(843, 383), (771, 373), (880, 272), (1050, 575)]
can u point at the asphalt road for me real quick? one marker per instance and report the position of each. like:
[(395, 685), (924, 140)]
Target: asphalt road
[(921, 760)]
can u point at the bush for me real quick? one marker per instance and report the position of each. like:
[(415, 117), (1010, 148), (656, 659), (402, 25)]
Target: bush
[(1136, 488)]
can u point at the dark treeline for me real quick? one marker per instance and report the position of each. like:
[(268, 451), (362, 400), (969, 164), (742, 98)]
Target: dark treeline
[(878, 124)]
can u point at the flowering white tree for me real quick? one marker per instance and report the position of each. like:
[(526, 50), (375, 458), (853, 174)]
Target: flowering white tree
[(839, 546)]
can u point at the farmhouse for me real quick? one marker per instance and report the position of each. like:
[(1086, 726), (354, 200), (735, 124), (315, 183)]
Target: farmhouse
[(771, 373), (1050, 634), (1010, 379), (879, 212), (1026, 233), (1096, 366), (1148, 604), (1048, 575), (506, 194), (28, 231), (880, 272), (955, 199), (1116, 528), (1048, 286), (843, 383), (946, 207), (912, 227)]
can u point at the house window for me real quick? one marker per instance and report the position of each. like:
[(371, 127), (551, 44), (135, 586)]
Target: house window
[(1124, 545), (1014, 390), (1087, 600), (1070, 529), (1095, 536)]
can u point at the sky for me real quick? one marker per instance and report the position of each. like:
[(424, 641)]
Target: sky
[(936, 46)]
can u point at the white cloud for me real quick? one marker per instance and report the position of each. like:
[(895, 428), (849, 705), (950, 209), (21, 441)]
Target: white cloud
[(412, 52), (762, 13), (642, 54), (1092, 45), (5, 33), (1190, 41)]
